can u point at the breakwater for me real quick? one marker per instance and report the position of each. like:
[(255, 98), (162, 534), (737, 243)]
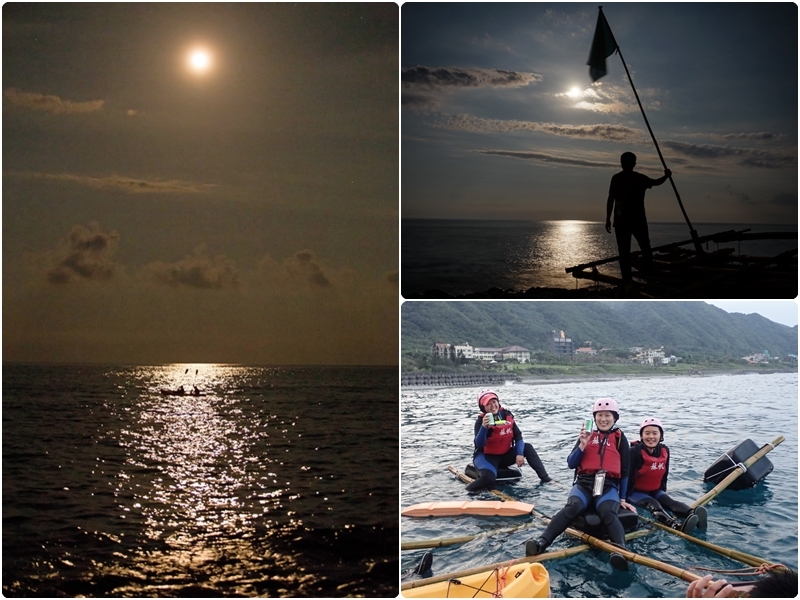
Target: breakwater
[(450, 379)]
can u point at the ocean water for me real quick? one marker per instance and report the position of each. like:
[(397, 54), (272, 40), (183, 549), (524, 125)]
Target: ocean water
[(462, 256), (703, 418), (277, 482)]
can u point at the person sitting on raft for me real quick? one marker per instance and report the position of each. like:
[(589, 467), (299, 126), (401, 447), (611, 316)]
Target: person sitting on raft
[(499, 443), (648, 482), (600, 459)]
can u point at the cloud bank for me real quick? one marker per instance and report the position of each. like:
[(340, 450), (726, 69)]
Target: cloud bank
[(197, 271), (302, 269), (750, 157), (607, 132), (423, 85), (126, 184), (84, 255), (549, 158), (51, 104)]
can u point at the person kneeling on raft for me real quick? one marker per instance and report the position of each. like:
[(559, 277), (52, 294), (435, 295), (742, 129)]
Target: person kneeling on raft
[(499, 443), (601, 461), (648, 485)]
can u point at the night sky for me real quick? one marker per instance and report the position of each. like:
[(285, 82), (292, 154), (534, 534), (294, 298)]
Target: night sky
[(200, 183), (500, 119)]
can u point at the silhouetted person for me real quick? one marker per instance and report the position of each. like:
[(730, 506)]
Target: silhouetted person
[(626, 199)]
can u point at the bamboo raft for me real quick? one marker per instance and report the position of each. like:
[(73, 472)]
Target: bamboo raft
[(684, 270), (593, 542)]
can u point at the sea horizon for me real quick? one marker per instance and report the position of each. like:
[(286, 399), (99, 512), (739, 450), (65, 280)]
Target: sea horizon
[(463, 256)]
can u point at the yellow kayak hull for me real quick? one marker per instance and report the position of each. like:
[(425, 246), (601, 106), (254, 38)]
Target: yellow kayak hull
[(520, 580)]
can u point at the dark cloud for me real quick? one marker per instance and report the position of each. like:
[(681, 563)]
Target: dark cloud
[(84, 255), (303, 267), (741, 197), (549, 158), (126, 184), (760, 136), (606, 132), (418, 102), (454, 77), (197, 271), (51, 104), (744, 156)]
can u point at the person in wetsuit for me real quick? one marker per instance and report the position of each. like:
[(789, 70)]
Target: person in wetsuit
[(499, 443), (648, 481), (601, 462), (626, 200)]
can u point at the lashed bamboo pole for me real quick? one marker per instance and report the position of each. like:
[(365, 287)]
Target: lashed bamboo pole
[(709, 496), (454, 541), (565, 553), (441, 542), (742, 557), (598, 543)]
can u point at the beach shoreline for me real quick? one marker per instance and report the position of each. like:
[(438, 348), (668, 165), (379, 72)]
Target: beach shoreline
[(561, 379)]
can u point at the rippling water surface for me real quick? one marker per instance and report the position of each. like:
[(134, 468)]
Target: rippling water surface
[(276, 481), (461, 256), (703, 417)]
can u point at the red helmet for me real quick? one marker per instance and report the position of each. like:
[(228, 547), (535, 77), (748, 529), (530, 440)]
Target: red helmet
[(608, 404), (655, 423), (485, 395)]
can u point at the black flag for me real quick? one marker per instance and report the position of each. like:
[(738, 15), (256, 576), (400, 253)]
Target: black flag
[(603, 46)]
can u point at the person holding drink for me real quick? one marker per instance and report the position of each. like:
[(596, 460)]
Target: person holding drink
[(499, 443), (601, 461)]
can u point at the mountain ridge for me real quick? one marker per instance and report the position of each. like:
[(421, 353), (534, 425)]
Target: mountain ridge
[(679, 326)]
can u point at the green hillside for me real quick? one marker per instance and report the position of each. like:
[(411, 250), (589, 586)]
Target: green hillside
[(681, 327)]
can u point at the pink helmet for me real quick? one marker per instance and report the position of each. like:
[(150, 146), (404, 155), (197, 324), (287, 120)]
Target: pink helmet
[(485, 395), (608, 404), (654, 422)]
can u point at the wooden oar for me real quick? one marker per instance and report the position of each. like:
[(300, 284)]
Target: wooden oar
[(706, 498), (597, 543)]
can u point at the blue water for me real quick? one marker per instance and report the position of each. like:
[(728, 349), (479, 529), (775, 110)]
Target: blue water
[(462, 256), (277, 482), (703, 418)]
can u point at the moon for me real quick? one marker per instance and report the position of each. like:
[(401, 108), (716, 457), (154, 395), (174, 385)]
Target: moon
[(199, 60)]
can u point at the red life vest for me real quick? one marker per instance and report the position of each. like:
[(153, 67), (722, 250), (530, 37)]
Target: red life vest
[(612, 461), (650, 476), (501, 436)]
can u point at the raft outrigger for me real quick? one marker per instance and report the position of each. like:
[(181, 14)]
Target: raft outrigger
[(450, 585), (679, 270)]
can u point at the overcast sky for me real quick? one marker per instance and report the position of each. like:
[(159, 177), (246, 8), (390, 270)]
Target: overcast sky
[(779, 311), (240, 208), (500, 119)]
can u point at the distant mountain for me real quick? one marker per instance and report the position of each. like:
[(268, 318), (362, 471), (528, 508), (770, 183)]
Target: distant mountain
[(680, 326)]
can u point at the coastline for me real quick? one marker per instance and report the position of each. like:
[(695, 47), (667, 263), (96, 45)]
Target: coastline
[(562, 379)]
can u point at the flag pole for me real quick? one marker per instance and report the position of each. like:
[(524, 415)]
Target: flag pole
[(697, 245)]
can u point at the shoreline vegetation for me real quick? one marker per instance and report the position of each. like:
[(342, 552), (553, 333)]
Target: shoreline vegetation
[(556, 374)]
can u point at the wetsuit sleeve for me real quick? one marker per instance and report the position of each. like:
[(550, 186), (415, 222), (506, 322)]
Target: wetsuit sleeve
[(574, 458), (519, 443), (666, 471), (480, 433), (625, 457)]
